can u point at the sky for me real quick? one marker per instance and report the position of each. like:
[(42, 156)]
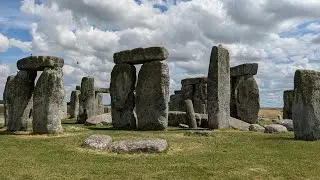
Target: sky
[(281, 36)]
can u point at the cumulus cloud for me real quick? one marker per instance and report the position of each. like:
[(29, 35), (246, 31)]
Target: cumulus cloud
[(4, 43)]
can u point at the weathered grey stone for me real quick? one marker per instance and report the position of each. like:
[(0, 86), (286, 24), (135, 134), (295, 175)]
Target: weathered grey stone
[(306, 105), (177, 92), (218, 103), (288, 97), (48, 99), (187, 92), (140, 55), (102, 119), (86, 99), (5, 100), (177, 117), (204, 121), (139, 146), (64, 112), (198, 119), (74, 104), (101, 90), (244, 69), (97, 141), (200, 98), (256, 128), (153, 96), (175, 103), (238, 124), (190, 114), (78, 88), (39, 63), (194, 81), (288, 123), (199, 133), (99, 109), (246, 99), (122, 85), (183, 126), (19, 92), (275, 128)]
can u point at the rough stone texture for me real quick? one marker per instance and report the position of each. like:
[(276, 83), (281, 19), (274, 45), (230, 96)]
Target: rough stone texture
[(200, 98), (190, 114), (244, 69), (64, 112), (238, 124), (5, 94), (176, 103), (153, 96), (86, 99), (74, 104), (275, 128), (187, 92), (199, 133), (39, 63), (140, 55), (48, 99), (288, 123), (194, 81), (122, 85), (78, 88), (97, 141), (288, 97), (245, 102), (139, 146), (99, 109), (177, 117), (19, 93), (306, 105), (256, 128), (101, 90), (204, 121), (218, 106), (102, 119)]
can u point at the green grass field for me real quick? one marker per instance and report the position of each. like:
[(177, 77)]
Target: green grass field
[(224, 155)]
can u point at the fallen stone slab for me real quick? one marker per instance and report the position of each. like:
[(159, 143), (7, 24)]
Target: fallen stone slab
[(141, 55), (139, 146), (193, 81), (176, 117), (275, 128), (256, 128), (244, 69), (288, 123), (39, 63), (198, 133), (102, 119), (238, 124), (97, 141), (101, 90)]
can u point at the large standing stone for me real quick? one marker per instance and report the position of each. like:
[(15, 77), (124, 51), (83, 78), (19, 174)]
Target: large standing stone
[(187, 91), (288, 97), (74, 104), (176, 103), (122, 85), (153, 96), (19, 93), (64, 111), (306, 105), (5, 101), (218, 106), (190, 114), (48, 99), (200, 98), (86, 99), (99, 103), (247, 99)]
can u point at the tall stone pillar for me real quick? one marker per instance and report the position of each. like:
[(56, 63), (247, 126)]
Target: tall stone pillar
[(86, 99), (74, 104), (288, 98), (5, 99), (219, 89), (99, 103)]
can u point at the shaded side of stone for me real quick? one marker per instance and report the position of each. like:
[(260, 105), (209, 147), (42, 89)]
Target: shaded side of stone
[(122, 85), (176, 103), (190, 114), (39, 63), (99, 103), (218, 100), (200, 98), (74, 104), (288, 97), (86, 99), (153, 96), (244, 69), (101, 90), (193, 81), (5, 94), (48, 99)]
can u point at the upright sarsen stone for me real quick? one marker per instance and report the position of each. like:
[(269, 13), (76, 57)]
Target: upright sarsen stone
[(122, 85), (19, 93), (218, 106), (288, 97), (74, 104), (153, 96), (5, 100), (200, 98), (306, 105), (99, 103), (86, 99), (48, 99)]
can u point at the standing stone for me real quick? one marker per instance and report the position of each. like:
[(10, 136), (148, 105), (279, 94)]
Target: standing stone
[(86, 99), (48, 99), (288, 97), (19, 93), (5, 99), (218, 107), (64, 111), (175, 103), (190, 114), (187, 91), (200, 98), (247, 99), (306, 105), (153, 96), (99, 103), (74, 104), (122, 85)]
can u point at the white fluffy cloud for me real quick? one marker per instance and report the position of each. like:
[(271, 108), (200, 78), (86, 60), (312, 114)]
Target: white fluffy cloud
[(86, 33), (4, 43)]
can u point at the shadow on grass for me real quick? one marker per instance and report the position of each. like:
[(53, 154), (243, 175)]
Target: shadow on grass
[(271, 138)]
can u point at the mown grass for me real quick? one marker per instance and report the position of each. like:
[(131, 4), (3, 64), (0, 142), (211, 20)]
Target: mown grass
[(224, 155)]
